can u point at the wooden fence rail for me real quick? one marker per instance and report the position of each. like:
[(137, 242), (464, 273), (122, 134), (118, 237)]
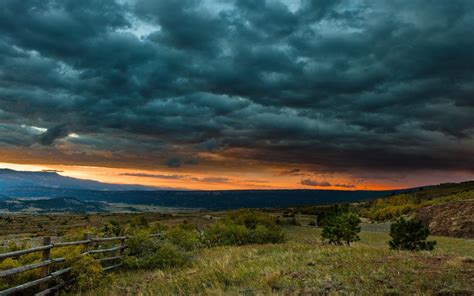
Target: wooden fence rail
[(46, 262)]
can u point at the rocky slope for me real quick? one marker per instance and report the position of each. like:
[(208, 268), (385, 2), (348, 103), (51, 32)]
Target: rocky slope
[(449, 219)]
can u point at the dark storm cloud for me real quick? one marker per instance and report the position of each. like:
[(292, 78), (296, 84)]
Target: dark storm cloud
[(334, 85), (156, 176), (179, 177), (291, 172), (309, 182), (53, 133), (177, 162)]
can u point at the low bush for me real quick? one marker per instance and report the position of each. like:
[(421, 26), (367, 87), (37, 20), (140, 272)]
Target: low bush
[(88, 272), (147, 252), (113, 228), (165, 256), (243, 227), (252, 218), (410, 235), (185, 238)]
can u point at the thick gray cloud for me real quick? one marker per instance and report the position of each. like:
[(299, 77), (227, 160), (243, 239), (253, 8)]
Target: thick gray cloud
[(310, 182), (334, 85)]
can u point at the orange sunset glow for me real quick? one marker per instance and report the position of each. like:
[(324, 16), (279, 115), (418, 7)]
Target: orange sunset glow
[(271, 178)]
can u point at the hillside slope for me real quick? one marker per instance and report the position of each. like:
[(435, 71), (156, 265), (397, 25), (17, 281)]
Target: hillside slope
[(383, 209)]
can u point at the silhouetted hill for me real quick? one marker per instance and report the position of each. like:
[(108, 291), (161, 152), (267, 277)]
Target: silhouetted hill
[(18, 179)]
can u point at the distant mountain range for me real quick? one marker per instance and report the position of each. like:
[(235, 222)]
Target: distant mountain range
[(211, 200), (49, 190), (18, 179)]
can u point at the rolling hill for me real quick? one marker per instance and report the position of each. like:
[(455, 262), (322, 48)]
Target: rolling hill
[(48, 205), (447, 209)]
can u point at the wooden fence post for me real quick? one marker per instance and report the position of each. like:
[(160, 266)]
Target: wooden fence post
[(87, 237), (46, 255), (122, 247)]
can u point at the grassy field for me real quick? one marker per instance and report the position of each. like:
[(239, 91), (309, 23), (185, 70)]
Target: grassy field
[(305, 266)]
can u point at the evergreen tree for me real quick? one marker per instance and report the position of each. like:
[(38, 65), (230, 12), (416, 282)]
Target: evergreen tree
[(410, 235), (341, 228)]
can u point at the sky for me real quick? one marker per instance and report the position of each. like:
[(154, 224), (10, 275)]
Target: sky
[(244, 94)]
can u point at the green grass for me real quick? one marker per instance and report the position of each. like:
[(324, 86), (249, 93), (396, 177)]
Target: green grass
[(304, 265)]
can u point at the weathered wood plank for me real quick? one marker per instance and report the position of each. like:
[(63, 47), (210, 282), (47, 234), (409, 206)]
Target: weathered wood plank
[(19, 269), (109, 258), (23, 252), (76, 243), (34, 283), (112, 267), (105, 250), (107, 239)]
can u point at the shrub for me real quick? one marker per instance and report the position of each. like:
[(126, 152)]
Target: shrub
[(225, 233), (184, 238), (243, 227), (264, 234), (410, 235), (165, 256), (113, 228), (141, 243), (148, 252), (252, 218), (341, 228), (88, 272)]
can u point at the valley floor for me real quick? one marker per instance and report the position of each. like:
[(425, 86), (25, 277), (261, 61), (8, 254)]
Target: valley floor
[(305, 266)]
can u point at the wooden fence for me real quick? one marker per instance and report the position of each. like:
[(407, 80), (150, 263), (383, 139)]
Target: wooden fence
[(46, 262)]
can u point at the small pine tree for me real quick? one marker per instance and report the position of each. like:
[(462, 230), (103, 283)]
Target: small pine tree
[(341, 228), (410, 235)]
